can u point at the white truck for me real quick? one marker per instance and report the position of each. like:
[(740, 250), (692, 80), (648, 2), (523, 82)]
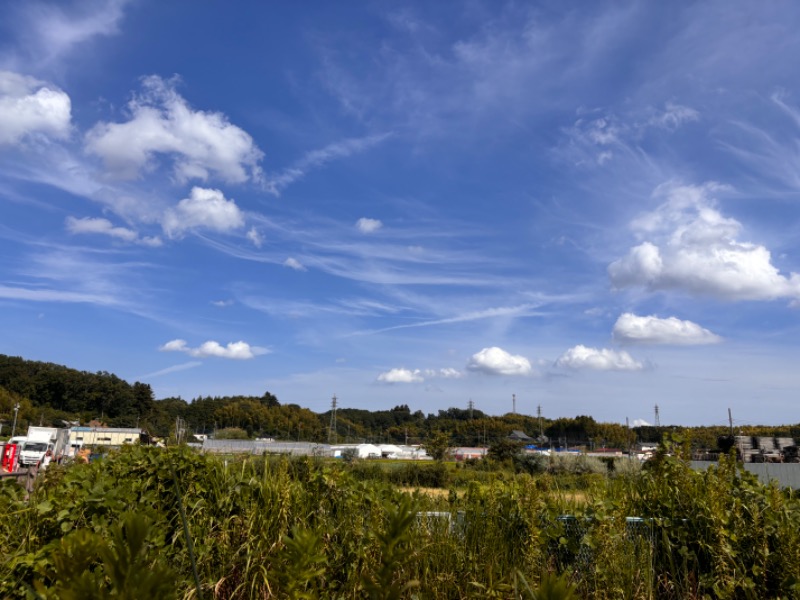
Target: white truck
[(41, 439)]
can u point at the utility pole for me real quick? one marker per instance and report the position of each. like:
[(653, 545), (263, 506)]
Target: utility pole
[(730, 420), (514, 403), (332, 429), (628, 427), (14, 426)]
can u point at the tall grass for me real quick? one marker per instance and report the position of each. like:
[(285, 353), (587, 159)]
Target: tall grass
[(303, 528)]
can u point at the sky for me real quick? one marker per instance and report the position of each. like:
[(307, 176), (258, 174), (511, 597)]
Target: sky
[(592, 208)]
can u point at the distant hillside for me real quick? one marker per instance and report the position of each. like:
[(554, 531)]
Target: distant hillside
[(64, 390)]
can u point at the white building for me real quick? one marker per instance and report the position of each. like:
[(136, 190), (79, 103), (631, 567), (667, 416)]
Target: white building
[(104, 436)]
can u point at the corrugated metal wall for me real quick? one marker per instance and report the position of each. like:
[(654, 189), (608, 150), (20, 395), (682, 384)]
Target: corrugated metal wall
[(786, 474)]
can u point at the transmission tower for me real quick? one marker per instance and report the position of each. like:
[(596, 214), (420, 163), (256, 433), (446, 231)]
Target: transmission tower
[(332, 429), (471, 407), (514, 403), (658, 419), (539, 417)]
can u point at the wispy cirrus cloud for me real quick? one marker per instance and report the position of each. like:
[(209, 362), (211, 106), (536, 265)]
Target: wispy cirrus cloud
[(54, 295), (277, 182), (173, 369), (47, 33), (525, 310)]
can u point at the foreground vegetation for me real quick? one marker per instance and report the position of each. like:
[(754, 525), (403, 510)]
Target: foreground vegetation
[(278, 528)]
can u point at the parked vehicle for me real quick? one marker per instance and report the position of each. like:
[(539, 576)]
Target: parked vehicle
[(41, 439)]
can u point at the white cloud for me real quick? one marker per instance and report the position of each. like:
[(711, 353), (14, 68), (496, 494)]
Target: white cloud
[(633, 329), (234, 350), (56, 30), (203, 209), (276, 183), (173, 369), (254, 235), (368, 225), (496, 361), (89, 225), (50, 295), (295, 264), (604, 359), (446, 373), (401, 376), (201, 143), (597, 138), (29, 106), (690, 246), (674, 115)]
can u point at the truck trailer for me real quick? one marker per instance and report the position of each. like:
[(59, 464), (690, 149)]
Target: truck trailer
[(41, 439)]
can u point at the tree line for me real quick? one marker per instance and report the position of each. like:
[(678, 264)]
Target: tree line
[(51, 394)]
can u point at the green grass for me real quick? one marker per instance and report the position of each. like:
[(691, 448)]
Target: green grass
[(272, 527)]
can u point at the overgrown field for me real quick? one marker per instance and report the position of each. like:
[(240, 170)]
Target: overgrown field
[(303, 528)]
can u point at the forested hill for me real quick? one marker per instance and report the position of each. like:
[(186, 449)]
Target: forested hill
[(52, 394), (67, 392)]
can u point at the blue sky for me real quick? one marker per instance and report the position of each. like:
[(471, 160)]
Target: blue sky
[(590, 206)]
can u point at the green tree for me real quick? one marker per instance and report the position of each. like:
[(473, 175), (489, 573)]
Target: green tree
[(504, 449), (438, 445)]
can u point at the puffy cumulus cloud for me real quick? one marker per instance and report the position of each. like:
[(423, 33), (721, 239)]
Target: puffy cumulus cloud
[(604, 359), (203, 209), (295, 264), (98, 226), (401, 376), (234, 350), (162, 122), (417, 376), (633, 329), (365, 225), (29, 106), (496, 361), (688, 245)]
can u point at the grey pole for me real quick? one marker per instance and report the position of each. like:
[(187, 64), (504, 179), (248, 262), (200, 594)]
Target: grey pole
[(14, 426)]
